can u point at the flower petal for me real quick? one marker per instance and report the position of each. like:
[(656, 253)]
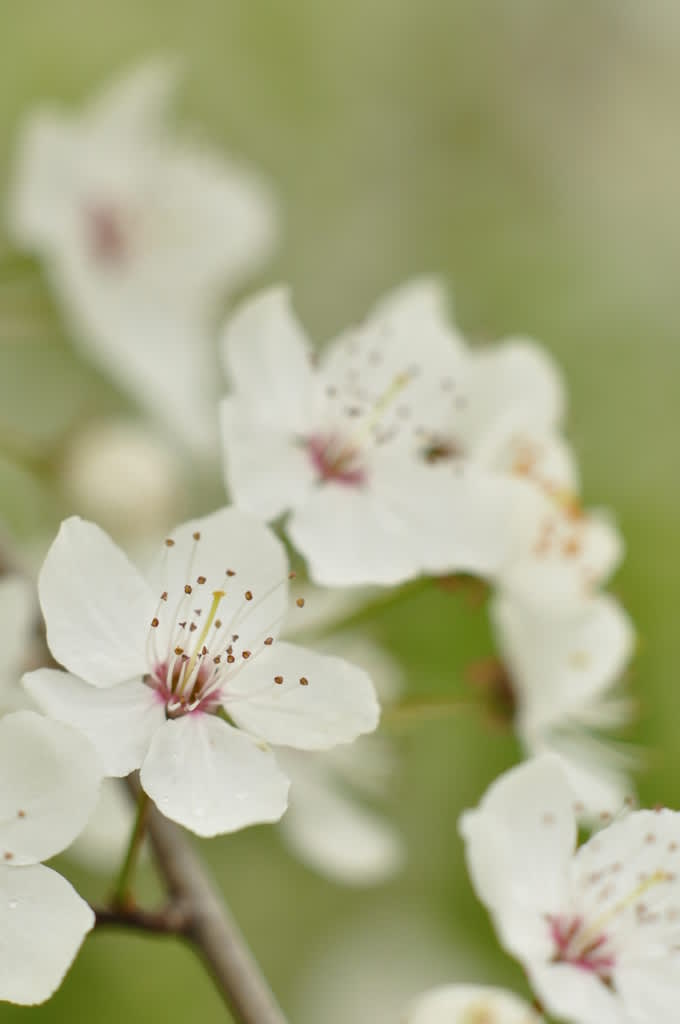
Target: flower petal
[(18, 610), (96, 605), (576, 995), (118, 721), (335, 835), (211, 778), (519, 843), (52, 777), (234, 554), (320, 701), (43, 922), (465, 1004), (267, 359), (267, 470)]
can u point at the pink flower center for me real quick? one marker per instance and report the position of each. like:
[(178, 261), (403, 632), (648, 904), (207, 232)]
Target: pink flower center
[(577, 945), (170, 692), (107, 233), (333, 461)]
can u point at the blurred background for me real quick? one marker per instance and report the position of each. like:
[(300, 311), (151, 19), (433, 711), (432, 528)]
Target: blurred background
[(530, 154)]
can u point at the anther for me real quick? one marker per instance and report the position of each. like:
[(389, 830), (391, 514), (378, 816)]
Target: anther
[(192, 627), (217, 659), (230, 659), (248, 595), (269, 640), (245, 654), (230, 572), (8, 856), (200, 579), (154, 622), (300, 602), (179, 650), (218, 623), (234, 637), (304, 681), (278, 679), (164, 595), (197, 535), (21, 814), (169, 543)]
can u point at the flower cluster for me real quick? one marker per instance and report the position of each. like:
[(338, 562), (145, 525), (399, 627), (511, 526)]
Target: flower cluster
[(397, 451)]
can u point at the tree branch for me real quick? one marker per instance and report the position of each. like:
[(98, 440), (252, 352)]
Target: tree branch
[(208, 925)]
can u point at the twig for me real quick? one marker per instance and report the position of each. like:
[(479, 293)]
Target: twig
[(208, 925)]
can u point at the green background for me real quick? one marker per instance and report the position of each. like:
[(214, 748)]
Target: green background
[(528, 152)]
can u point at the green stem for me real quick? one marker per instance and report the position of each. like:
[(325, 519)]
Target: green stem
[(423, 708), (121, 894)]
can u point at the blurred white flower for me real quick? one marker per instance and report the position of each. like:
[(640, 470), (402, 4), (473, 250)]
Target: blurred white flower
[(18, 617), (563, 670), (359, 447), (469, 1004), (103, 843), (154, 667), (141, 234), (125, 477), (50, 780), (597, 929), (331, 823)]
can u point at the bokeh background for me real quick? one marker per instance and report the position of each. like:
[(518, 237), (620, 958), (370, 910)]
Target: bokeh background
[(529, 152)]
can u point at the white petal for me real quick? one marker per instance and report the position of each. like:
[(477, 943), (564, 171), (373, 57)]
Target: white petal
[(465, 1004), (135, 104), (97, 607), (211, 778), (321, 701), (52, 777), (43, 922), (343, 534), (267, 470), (267, 358), (649, 990), (334, 834), (229, 541), (118, 721), (519, 844), (576, 995), (102, 844), (562, 664)]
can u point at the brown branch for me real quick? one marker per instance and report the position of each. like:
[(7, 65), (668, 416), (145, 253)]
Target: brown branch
[(206, 923), (171, 920)]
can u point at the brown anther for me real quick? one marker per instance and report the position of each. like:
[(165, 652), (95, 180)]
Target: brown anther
[(278, 679), (200, 579), (230, 659), (21, 814), (154, 622), (269, 640), (192, 627), (248, 595), (164, 595), (178, 651), (218, 623), (230, 572), (197, 535), (187, 589), (169, 543), (182, 625), (300, 602), (292, 575), (204, 650), (304, 681), (234, 637), (245, 654), (217, 659), (8, 856)]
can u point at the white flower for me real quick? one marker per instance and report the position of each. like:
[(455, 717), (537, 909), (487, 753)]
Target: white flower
[(104, 841), (469, 1004), (331, 823), (597, 929), (18, 613), (50, 780), (562, 670), (141, 234), (154, 667)]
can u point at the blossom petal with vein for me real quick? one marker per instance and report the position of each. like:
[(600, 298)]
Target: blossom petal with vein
[(155, 665), (562, 670), (51, 778), (470, 1004), (141, 235), (596, 928)]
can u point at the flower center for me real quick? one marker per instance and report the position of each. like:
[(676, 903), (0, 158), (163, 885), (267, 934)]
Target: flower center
[(333, 461), (579, 946), (107, 233)]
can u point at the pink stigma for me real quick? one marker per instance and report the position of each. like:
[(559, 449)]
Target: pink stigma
[(340, 467)]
